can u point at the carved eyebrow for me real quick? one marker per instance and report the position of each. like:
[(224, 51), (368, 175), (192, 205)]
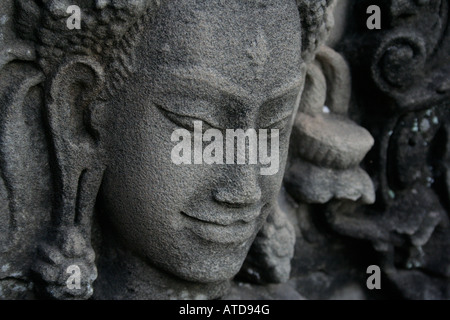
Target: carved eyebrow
[(211, 78)]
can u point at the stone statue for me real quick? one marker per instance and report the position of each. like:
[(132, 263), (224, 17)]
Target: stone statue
[(88, 187)]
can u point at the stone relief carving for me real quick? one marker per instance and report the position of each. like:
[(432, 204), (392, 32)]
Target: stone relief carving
[(405, 106), (85, 140)]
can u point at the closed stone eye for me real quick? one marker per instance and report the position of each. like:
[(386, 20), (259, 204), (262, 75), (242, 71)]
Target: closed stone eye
[(186, 122)]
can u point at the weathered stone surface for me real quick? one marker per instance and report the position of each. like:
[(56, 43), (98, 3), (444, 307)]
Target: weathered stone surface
[(399, 73), (86, 133)]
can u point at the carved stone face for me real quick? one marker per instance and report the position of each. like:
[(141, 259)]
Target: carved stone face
[(233, 65)]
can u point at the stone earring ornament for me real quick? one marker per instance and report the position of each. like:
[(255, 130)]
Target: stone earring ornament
[(325, 162), (79, 174)]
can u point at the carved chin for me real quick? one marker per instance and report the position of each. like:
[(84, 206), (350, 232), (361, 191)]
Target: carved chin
[(213, 268)]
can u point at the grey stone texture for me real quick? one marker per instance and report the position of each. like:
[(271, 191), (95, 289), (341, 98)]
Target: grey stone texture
[(87, 179)]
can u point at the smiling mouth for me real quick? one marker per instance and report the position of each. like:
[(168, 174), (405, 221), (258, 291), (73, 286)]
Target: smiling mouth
[(226, 230), (225, 220)]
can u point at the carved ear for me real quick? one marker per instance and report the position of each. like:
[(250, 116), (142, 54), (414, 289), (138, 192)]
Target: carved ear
[(78, 174), (338, 79), (328, 82), (79, 167)]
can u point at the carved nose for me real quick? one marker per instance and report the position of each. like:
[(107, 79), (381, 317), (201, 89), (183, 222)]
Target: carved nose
[(240, 188)]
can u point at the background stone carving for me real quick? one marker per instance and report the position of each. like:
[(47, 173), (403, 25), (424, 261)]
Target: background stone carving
[(405, 104), (401, 95)]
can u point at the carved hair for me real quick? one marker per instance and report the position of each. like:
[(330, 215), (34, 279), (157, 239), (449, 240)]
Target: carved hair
[(108, 33), (317, 21), (110, 28)]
